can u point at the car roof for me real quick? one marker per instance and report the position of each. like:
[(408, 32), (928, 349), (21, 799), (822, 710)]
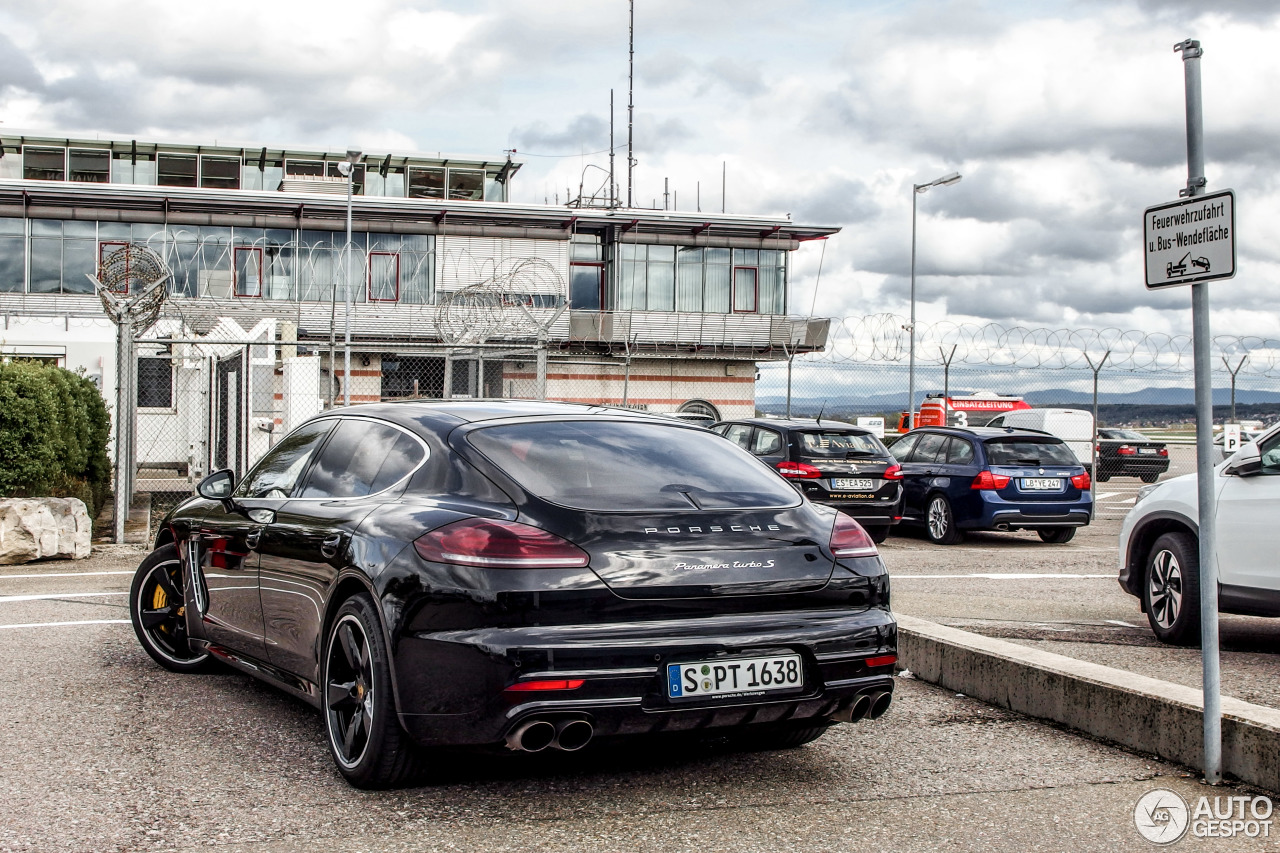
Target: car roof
[(795, 423), (446, 413), (986, 433)]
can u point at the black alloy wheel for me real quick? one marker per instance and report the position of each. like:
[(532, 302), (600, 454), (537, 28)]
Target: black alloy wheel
[(1171, 589), (940, 523), (365, 738), (157, 610), (1056, 535)]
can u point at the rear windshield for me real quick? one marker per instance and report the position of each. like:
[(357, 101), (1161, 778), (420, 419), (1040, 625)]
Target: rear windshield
[(1029, 451), (607, 465), (832, 444), (1125, 434)]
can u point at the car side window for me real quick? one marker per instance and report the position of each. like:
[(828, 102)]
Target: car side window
[(929, 447), (739, 434), (997, 421), (720, 428), (766, 442), (901, 449), (362, 458), (1269, 455), (959, 451), (278, 473)]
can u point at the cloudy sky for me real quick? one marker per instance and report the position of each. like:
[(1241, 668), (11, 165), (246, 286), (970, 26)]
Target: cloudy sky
[(1065, 118)]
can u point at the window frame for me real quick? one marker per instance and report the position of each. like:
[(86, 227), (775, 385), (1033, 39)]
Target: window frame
[(46, 149), (170, 406), (305, 480), (229, 158), (174, 155), (369, 278), (600, 283), (755, 290), (235, 272)]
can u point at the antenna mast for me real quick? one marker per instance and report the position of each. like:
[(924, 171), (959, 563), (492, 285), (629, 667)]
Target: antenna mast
[(613, 199), (631, 96)]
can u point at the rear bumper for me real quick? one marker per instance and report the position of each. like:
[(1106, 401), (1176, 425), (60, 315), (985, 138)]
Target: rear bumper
[(874, 510), (996, 513), (451, 684), (1134, 465)]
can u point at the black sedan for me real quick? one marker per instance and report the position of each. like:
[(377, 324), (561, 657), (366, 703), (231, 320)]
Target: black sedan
[(1128, 453), (833, 463), (524, 574)]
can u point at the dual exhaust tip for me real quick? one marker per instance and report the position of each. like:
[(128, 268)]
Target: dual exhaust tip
[(536, 735), (868, 706)]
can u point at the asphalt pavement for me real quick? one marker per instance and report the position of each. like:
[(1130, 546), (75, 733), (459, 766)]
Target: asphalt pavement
[(104, 751)]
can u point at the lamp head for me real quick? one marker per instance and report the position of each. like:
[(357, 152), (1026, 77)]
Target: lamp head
[(353, 157)]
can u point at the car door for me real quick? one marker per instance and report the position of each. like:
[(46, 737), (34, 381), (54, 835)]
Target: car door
[(228, 538), (1248, 537), (920, 471), (769, 446), (956, 467), (901, 450), (308, 545)]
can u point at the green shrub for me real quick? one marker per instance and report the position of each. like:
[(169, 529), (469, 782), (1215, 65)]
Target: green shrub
[(54, 429)]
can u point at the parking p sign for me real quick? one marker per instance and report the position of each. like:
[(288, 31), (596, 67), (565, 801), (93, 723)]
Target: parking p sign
[(1190, 240)]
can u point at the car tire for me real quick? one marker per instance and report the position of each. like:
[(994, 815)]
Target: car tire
[(157, 609), (1171, 589), (1103, 476), (877, 532), (1057, 535), (366, 741), (940, 522), (1150, 478)]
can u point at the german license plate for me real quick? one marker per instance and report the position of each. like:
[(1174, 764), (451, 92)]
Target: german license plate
[(1147, 451), (852, 484), (739, 675), (1041, 483)]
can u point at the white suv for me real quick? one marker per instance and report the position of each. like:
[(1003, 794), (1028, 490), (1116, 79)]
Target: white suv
[(1159, 548)]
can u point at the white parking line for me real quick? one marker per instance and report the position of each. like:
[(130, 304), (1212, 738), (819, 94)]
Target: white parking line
[(6, 599), (999, 576), (63, 624), (1105, 495), (61, 575)]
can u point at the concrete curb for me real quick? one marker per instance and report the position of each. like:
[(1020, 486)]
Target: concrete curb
[(1142, 713)]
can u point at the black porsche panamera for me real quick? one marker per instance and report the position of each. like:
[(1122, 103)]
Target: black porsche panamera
[(524, 574)]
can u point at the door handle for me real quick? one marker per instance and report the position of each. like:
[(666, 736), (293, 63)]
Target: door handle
[(252, 538), (329, 547)]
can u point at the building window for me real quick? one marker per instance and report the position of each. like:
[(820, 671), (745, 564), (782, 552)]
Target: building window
[(357, 187), (648, 278), (90, 166), (220, 172), (586, 273), (384, 276), (155, 383), (104, 251), (303, 168), (133, 167), (248, 272), (426, 183), (44, 164), (176, 170), (745, 290), (466, 185)]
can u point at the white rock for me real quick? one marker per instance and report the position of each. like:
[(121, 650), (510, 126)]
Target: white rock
[(43, 528)]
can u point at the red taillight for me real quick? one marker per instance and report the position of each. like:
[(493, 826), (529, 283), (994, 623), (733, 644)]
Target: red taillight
[(1164, 451), (848, 539), (1125, 450), (550, 684), (798, 471), (499, 545), (882, 660), (893, 472), (987, 480), (1081, 481)]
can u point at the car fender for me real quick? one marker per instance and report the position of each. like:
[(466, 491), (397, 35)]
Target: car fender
[(1140, 538)]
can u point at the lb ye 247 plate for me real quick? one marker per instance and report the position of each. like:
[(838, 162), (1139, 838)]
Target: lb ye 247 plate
[(736, 675)]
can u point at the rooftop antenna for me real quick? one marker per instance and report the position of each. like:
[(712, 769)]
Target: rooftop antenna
[(631, 99), (613, 199), (821, 412)]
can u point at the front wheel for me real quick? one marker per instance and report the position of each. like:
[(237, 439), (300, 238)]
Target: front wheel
[(158, 612), (940, 522), (1057, 535), (365, 738), (1171, 589)]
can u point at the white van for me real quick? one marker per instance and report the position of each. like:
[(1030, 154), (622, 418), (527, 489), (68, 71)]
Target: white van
[(1073, 426)]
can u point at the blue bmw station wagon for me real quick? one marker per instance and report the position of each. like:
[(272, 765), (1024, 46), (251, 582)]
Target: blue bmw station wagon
[(956, 479)]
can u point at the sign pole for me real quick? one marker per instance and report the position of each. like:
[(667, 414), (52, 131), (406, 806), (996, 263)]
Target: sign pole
[(1209, 653)]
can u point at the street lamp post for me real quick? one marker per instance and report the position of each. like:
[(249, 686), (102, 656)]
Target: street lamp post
[(353, 157), (916, 190)]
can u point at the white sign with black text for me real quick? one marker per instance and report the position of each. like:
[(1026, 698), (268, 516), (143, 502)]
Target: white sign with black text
[(1190, 240)]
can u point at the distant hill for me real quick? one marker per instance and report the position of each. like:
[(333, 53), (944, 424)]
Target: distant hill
[(1051, 397)]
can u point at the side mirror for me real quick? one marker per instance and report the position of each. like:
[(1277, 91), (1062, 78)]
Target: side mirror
[(1245, 462), (218, 486)]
